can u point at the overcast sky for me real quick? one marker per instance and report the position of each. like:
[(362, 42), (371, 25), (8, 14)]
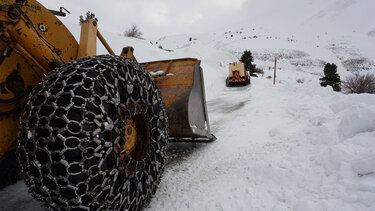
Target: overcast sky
[(155, 17)]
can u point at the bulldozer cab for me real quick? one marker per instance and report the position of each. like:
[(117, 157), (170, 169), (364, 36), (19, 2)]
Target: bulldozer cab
[(237, 68)]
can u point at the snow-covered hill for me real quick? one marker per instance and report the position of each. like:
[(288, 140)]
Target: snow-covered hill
[(290, 146)]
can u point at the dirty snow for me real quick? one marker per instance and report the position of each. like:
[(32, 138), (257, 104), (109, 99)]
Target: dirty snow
[(289, 146)]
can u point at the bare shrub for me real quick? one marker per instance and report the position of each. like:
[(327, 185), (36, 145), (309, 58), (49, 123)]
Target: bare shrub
[(133, 31), (360, 84)]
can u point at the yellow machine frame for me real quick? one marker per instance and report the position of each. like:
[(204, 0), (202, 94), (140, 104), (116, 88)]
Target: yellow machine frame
[(35, 42)]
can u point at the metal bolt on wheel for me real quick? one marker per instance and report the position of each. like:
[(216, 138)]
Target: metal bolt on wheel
[(94, 136)]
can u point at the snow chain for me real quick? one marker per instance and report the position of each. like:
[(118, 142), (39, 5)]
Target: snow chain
[(72, 127)]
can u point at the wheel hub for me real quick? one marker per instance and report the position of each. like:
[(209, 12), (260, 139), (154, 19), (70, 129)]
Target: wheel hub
[(130, 132), (133, 137)]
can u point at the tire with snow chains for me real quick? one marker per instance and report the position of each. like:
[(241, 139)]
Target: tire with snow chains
[(227, 83), (94, 136)]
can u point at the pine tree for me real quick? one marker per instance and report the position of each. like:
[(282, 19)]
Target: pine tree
[(247, 59), (331, 78)]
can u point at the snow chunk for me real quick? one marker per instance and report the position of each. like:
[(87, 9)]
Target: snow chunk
[(108, 126), (157, 73), (358, 120), (342, 102), (364, 165), (194, 128), (306, 205), (335, 156), (29, 134), (273, 132)]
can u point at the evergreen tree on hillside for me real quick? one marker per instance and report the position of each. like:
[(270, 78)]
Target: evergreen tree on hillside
[(247, 59), (331, 78), (89, 15)]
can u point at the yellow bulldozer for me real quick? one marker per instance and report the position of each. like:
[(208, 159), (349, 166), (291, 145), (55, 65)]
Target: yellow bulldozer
[(238, 75), (87, 131)]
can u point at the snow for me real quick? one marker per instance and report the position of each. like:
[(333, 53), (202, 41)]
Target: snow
[(358, 120), (278, 148), (290, 146)]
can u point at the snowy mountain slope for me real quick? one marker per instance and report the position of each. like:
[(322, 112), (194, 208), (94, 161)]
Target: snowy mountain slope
[(346, 15), (289, 146), (353, 53), (333, 11)]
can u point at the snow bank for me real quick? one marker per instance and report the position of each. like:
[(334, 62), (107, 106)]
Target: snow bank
[(349, 162), (358, 119), (358, 114), (356, 132), (342, 102)]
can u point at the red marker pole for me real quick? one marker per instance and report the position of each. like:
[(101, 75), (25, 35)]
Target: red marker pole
[(274, 74)]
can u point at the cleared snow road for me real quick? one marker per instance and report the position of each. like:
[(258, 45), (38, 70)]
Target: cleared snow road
[(260, 161)]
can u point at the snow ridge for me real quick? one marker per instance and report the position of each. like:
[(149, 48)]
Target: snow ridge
[(335, 7)]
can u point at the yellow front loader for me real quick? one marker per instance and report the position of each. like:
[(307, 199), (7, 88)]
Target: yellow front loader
[(238, 75), (92, 130)]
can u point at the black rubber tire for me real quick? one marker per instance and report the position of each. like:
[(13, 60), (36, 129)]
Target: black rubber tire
[(71, 127), (9, 169), (227, 83)]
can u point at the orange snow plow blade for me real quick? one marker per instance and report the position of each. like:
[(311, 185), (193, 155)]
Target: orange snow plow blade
[(182, 88)]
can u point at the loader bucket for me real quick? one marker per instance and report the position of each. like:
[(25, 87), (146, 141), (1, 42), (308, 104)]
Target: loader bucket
[(181, 84)]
